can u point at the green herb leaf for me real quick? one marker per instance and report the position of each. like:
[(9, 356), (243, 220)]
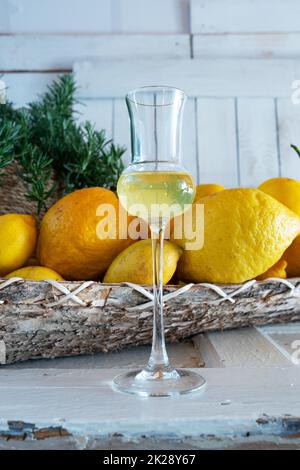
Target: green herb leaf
[(9, 134), (296, 150)]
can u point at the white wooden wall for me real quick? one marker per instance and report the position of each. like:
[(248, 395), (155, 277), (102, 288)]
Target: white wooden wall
[(236, 60), (94, 16)]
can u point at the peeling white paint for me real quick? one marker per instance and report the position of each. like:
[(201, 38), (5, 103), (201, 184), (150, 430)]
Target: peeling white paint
[(85, 401)]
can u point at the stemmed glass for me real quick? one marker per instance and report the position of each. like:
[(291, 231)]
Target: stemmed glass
[(149, 187)]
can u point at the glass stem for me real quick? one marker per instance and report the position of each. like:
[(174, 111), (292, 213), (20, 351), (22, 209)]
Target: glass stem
[(159, 360)]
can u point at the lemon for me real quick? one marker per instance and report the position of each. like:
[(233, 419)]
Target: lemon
[(203, 190), (245, 233), (287, 191), (134, 264), (292, 257), (35, 273), (18, 236), (278, 270), (69, 241)]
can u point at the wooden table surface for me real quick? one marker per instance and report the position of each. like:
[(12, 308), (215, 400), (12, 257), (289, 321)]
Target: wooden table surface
[(251, 399)]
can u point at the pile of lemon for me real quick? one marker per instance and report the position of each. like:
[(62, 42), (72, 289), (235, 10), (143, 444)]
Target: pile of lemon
[(248, 234)]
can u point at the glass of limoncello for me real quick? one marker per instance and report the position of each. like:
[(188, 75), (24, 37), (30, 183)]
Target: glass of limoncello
[(156, 187)]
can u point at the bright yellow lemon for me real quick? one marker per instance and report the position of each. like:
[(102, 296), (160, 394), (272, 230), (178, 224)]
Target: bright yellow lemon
[(245, 233), (35, 273), (18, 236), (134, 264), (69, 241)]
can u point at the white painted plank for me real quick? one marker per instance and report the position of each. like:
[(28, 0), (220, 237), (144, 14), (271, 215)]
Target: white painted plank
[(250, 45), (26, 16), (207, 351), (25, 87), (246, 348), (121, 128), (155, 16), (286, 338), (217, 142), (246, 16), (99, 112), (281, 328), (48, 16), (4, 17), (83, 403), (289, 133), (189, 137), (60, 51), (288, 345), (182, 354), (258, 153), (207, 77)]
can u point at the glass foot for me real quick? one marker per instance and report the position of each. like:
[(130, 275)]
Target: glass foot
[(166, 383)]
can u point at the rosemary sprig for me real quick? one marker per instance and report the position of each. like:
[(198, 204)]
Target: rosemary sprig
[(92, 161), (36, 171), (9, 132), (48, 142)]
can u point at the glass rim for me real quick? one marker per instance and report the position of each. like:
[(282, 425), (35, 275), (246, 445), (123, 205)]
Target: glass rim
[(150, 88)]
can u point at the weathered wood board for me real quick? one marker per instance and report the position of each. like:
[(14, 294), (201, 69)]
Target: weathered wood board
[(197, 77), (77, 409), (250, 400), (37, 52), (94, 16), (234, 16)]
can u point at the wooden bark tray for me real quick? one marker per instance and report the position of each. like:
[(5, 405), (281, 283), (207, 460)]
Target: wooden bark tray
[(49, 319)]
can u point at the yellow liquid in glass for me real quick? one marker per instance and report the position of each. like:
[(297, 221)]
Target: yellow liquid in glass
[(157, 192)]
